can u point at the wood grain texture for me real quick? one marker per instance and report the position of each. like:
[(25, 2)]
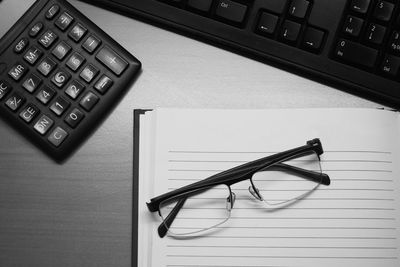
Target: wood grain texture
[(79, 213)]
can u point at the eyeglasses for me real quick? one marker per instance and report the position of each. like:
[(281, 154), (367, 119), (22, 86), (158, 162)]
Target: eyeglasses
[(276, 181)]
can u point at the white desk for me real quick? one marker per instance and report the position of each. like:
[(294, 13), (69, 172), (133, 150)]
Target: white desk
[(79, 213)]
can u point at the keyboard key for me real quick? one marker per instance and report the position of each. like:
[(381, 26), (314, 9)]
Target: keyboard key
[(74, 89), (232, 11), (75, 61), (298, 8), (290, 31), (77, 32), (63, 21), (394, 43), (46, 66), (60, 78), (356, 53), (313, 39), (91, 44), (59, 106), (360, 6), (5, 88), (43, 124), (53, 10), (31, 83), (74, 117), (267, 23), (21, 45), (89, 101), (17, 71), (48, 38), (29, 113), (391, 65), (375, 33), (36, 29), (45, 94), (353, 25), (15, 101), (32, 55), (57, 136), (383, 10), (89, 73), (112, 60), (103, 84), (203, 5), (61, 50)]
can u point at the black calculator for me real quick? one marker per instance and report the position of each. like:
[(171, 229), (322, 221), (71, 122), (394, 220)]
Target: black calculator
[(60, 75)]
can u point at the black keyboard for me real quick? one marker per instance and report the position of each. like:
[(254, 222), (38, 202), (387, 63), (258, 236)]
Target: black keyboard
[(60, 75), (351, 44)]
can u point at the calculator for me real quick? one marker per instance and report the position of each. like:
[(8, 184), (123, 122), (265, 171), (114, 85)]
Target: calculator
[(60, 75)]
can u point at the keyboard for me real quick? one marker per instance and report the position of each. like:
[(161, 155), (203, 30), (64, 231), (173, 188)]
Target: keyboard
[(353, 45), (60, 75)]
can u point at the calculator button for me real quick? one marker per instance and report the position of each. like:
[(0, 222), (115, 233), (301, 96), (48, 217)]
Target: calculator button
[(77, 32), (313, 39), (383, 10), (75, 61), (4, 88), (230, 10), (89, 73), (74, 117), (34, 31), (53, 10), (59, 106), (394, 43), (29, 113), (57, 136), (375, 33), (290, 31), (17, 71), (43, 124), (46, 66), (21, 45), (298, 8), (32, 55), (91, 43), (391, 65), (267, 23), (74, 89), (61, 50), (112, 60), (15, 101), (360, 6), (60, 78), (355, 53), (89, 101), (352, 26), (63, 21), (45, 94), (48, 38), (31, 83), (103, 84)]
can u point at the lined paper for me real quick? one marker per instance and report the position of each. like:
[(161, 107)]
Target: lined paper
[(352, 222)]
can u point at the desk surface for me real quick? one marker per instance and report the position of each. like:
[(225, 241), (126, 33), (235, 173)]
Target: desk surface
[(79, 213)]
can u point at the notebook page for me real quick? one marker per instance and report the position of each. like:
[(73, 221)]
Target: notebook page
[(352, 222)]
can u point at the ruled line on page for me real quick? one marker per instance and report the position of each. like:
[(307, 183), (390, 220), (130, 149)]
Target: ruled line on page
[(280, 247), (284, 257)]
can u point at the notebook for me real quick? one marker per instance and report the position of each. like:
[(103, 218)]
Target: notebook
[(353, 222)]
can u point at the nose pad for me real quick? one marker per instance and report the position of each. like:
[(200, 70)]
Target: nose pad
[(255, 193), (230, 201)]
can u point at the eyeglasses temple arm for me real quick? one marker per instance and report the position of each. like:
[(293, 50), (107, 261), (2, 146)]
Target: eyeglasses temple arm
[(314, 176), (164, 226)]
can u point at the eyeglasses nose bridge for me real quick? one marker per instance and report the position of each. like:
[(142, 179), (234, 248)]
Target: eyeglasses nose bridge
[(230, 201), (255, 193)]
